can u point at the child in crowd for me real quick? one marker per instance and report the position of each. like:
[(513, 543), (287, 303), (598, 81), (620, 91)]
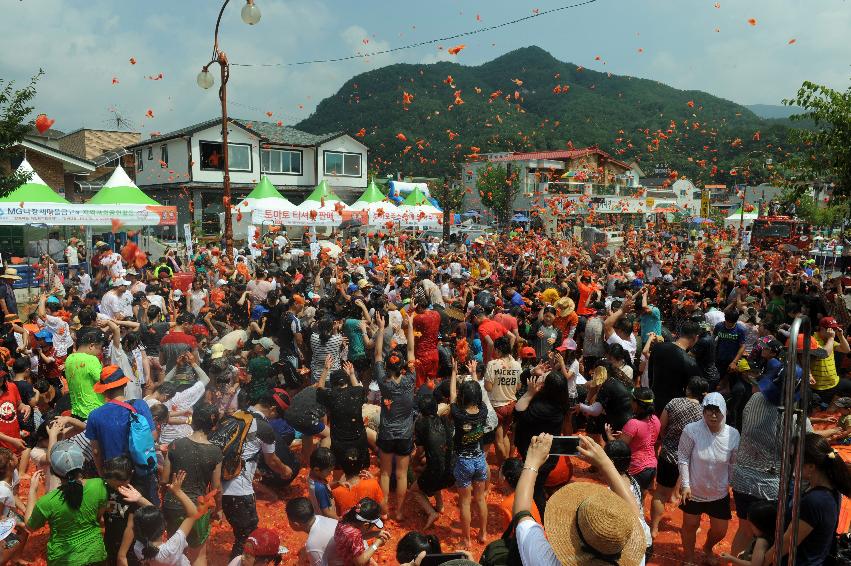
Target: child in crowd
[(321, 466), (762, 517)]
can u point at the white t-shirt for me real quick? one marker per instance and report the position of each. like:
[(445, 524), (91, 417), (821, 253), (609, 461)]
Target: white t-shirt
[(72, 256), (243, 483), (181, 401), (61, 334), (114, 263), (85, 284), (170, 554), (158, 301), (321, 534), (112, 304), (7, 500), (629, 345), (713, 317)]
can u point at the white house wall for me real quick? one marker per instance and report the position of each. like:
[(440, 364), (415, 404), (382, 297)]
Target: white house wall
[(345, 144), (236, 135), (154, 173)]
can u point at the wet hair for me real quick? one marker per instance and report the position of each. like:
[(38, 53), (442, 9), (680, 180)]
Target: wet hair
[(644, 409), (325, 328), (185, 318), (427, 404), (619, 453), (618, 352), (71, 489), (413, 543), (732, 315), (119, 468), (322, 459), (148, 526), (763, 515), (351, 464), (469, 394), (167, 388), (820, 453), (86, 316), (365, 507), (697, 387), (554, 390), (204, 417), (21, 365), (6, 458), (159, 412), (502, 345), (690, 329), (339, 378), (396, 361), (511, 469), (153, 312), (300, 510)]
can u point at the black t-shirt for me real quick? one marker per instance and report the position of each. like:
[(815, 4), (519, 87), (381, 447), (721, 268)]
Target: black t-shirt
[(469, 430), (616, 400), (305, 411), (541, 415), (435, 436), (704, 356), (820, 510), (345, 411), (151, 335), (115, 519), (669, 370), (199, 461)]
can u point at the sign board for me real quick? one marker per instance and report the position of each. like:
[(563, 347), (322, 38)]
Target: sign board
[(56, 214), (187, 234), (704, 202)]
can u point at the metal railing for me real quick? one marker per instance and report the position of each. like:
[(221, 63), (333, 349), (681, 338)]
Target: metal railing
[(793, 417)]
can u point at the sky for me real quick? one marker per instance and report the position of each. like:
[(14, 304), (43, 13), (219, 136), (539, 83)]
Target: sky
[(741, 50)]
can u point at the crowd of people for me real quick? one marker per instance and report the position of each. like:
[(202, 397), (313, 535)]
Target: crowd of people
[(146, 400)]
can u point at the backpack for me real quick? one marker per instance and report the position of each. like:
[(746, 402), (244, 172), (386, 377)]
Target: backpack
[(140, 439), (504, 550), (230, 436)]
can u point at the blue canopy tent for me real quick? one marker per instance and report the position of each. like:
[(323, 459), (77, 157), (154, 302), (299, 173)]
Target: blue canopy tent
[(519, 218)]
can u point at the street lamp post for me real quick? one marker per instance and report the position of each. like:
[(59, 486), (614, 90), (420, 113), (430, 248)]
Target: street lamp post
[(250, 15)]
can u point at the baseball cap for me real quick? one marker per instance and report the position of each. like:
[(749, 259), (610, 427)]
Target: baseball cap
[(65, 458), (265, 341), (368, 511), (120, 283), (828, 322), (568, 344), (528, 353), (52, 300), (263, 542)]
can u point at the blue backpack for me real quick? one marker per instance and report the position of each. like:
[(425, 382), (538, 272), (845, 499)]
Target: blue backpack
[(140, 440)]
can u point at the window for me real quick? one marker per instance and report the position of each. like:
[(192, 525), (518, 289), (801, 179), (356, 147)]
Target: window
[(163, 156), (342, 164), (286, 162), (139, 164), (150, 152), (239, 156)]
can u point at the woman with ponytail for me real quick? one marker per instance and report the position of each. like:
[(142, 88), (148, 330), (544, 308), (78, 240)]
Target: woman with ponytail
[(828, 479), (149, 528), (73, 510), (640, 434)]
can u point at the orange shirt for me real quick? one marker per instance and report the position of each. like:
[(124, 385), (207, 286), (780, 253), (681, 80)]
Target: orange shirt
[(347, 497), (507, 513)]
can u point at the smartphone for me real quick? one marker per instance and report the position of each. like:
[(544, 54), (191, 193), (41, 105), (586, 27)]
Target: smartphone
[(565, 446), (437, 559)]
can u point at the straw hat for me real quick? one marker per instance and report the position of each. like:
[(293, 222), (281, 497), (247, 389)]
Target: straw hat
[(11, 273), (588, 524), (565, 306)]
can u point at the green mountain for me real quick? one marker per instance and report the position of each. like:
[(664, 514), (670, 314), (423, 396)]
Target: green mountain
[(774, 110), (528, 100)]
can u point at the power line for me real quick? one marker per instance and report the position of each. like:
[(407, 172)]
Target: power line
[(421, 43)]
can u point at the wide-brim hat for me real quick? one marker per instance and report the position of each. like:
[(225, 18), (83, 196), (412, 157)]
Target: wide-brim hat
[(589, 524), (10, 273), (111, 377), (565, 306)]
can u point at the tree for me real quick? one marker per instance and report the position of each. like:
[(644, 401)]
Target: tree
[(497, 189), (450, 196), (14, 111), (807, 208), (827, 147)]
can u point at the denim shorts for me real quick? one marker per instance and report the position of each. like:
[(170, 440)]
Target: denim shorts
[(468, 470)]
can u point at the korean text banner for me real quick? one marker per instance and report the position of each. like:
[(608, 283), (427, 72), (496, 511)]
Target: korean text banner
[(12, 214)]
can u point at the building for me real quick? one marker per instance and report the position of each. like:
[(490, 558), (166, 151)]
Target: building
[(104, 148), (184, 167), (544, 172)]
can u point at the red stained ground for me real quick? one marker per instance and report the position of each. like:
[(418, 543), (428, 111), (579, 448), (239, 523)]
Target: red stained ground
[(270, 508)]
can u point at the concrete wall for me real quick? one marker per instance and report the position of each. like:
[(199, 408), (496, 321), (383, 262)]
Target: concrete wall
[(153, 172), (345, 144)]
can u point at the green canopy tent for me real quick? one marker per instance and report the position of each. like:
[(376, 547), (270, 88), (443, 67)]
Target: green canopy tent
[(322, 193), (372, 199), (415, 198), (264, 189), (33, 191), (120, 189)]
